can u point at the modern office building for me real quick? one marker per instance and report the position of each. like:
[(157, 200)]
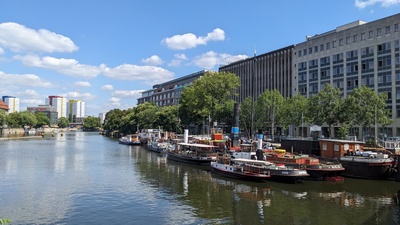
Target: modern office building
[(12, 102), (272, 70), (50, 111), (351, 56), (169, 93), (60, 103), (76, 109)]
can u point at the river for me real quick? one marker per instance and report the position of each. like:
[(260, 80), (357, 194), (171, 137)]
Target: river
[(86, 178)]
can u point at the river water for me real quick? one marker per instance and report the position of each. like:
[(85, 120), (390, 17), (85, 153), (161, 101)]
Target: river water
[(86, 178)]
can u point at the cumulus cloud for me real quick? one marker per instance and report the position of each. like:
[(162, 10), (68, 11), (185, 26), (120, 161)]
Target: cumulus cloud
[(69, 67), (134, 72), (115, 101), (127, 94), (154, 60), (178, 59), (77, 95), (29, 80), (190, 40), (384, 3), (1, 51), (107, 87), (82, 84), (19, 38), (211, 59)]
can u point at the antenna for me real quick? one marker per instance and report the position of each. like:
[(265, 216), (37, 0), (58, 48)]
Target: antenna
[(255, 52)]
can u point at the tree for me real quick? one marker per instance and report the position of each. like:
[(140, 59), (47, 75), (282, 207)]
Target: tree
[(146, 114), (63, 122), (27, 119), (112, 121), (245, 114), (166, 117), (129, 121), (268, 106), (3, 118), (366, 107), (200, 100), (91, 123), (294, 110), (41, 119), (325, 107)]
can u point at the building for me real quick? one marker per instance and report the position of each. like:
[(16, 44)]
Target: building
[(351, 56), (60, 103), (169, 93), (102, 117), (12, 102), (50, 111), (3, 106), (269, 71), (76, 110)]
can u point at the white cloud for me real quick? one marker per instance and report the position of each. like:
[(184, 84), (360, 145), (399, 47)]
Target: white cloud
[(190, 40), (1, 51), (127, 94), (19, 38), (384, 3), (65, 66), (211, 59), (179, 58), (154, 60), (107, 87), (115, 101), (134, 72), (82, 84), (29, 80), (79, 96)]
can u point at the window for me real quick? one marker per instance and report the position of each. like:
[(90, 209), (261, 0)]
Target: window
[(371, 34), (309, 50), (387, 29), (362, 36), (378, 32), (321, 48), (396, 27), (355, 38), (304, 51), (299, 53), (328, 45), (340, 42), (347, 40), (334, 44), (316, 49)]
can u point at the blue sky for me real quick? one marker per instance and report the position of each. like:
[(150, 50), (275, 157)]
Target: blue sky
[(106, 53)]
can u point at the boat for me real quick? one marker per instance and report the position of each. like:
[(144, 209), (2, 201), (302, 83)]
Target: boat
[(130, 139), (234, 168), (194, 153), (159, 146), (358, 163), (318, 169), (278, 171)]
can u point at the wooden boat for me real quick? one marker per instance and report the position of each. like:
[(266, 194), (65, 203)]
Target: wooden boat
[(357, 162), (279, 171), (233, 168), (130, 139), (329, 170), (200, 154)]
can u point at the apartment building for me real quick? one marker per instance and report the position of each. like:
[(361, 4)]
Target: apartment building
[(12, 102)]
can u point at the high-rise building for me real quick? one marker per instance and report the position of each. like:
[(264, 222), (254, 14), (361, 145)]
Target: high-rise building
[(12, 102), (76, 109), (60, 103), (350, 56)]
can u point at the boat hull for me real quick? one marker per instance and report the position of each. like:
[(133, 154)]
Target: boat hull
[(129, 142), (231, 172), (363, 170), (204, 161)]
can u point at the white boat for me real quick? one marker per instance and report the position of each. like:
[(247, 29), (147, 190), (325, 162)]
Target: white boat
[(158, 146), (130, 139)]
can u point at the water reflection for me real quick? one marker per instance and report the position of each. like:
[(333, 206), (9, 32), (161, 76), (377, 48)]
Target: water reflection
[(84, 178)]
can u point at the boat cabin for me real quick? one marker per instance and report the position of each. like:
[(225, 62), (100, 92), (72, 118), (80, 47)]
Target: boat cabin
[(335, 148)]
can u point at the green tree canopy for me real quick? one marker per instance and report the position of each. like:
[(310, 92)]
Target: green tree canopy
[(63, 122), (146, 114), (42, 119), (91, 123)]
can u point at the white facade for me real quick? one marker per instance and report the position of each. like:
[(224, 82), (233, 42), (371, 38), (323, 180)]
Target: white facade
[(12, 102), (77, 108), (60, 103)]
